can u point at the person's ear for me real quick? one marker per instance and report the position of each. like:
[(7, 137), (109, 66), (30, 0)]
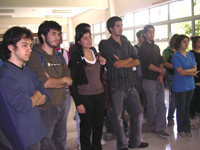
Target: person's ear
[(43, 37), (11, 48), (79, 42)]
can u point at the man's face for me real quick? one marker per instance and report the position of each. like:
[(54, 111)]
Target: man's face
[(52, 38), (141, 38), (149, 35), (22, 51), (117, 29)]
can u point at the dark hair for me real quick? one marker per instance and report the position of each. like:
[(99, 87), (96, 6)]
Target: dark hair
[(139, 33), (81, 26), (78, 37), (111, 22), (173, 41), (45, 27), (12, 36), (178, 41), (194, 41), (146, 28), (100, 44)]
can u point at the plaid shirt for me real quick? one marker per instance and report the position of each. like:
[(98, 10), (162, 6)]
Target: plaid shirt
[(123, 78)]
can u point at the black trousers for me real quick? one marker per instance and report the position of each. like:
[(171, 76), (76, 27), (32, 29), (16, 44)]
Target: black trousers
[(92, 121)]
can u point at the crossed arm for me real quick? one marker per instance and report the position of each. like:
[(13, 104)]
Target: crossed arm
[(187, 72), (126, 63)]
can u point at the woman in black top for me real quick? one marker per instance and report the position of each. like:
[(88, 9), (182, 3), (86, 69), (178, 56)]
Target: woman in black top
[(87, 90), (195, 103)]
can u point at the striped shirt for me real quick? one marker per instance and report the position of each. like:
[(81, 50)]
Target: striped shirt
[(123, 78)]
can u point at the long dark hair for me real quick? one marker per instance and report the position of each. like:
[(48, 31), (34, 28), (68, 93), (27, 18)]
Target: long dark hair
[(78, 37), (178, 41), (194, 41)]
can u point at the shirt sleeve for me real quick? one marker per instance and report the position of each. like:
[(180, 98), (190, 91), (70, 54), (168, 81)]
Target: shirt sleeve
[(36, 65), (39, 86), (15, 95), (176, 62), (166, 55), (108, 53)]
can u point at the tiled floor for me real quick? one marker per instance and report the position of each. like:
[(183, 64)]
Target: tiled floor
[(174, 142)]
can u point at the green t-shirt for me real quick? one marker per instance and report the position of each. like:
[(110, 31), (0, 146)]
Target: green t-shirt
[(167, 55)]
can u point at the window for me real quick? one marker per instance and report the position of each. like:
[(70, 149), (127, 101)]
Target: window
[(142, 18), (182, 28), (97, 28), (161, 32), (98, 33), (128, 20), (197, 27), (129, 34), (65, 43), (159, 14), (103, 27), (196, 7), (180, 9)]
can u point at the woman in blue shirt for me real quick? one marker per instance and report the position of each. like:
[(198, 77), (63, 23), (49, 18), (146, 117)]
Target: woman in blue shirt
[(185, 67)]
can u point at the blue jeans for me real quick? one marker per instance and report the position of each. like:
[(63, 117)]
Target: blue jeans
[(109, 124), (183, 110), (130, 100), (156, 110), (55, 120), (172, 100), (67, 105), (78, 128)]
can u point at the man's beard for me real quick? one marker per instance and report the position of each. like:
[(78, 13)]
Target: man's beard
[(49, 44)]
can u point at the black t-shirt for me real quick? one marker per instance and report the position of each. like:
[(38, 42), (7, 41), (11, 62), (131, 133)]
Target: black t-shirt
[(197, 58)]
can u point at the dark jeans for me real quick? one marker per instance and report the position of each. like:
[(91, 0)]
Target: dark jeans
[(183, 110), (109, 124), (141, 92), (92, 121), (129, 100), (55, 121)]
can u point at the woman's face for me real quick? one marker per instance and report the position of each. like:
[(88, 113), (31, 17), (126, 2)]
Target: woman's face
[(184, 44), (197, 44), (86, 41)]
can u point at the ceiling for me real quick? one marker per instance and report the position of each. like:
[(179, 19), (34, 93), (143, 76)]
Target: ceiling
[(30, 12)]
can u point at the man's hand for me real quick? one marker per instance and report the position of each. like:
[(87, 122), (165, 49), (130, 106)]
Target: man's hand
[(41, 100), (160, 79), (163, 71), (68, 81), (81, 109), (46, 74)]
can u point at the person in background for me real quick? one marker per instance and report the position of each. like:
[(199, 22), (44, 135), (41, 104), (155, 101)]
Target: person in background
[(153, 72), (22, 89), (185, 67), (65, 54), (138, 75), (87, 90), (195, 103), (167, 55)]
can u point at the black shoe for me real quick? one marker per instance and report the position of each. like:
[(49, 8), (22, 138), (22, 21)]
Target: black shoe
[(142, 145), (124, 148)]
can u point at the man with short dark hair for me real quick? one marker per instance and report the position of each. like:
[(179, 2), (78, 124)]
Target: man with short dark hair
[(23, 91), (121, 57), (153, 72), (51, 69), (138, 74)]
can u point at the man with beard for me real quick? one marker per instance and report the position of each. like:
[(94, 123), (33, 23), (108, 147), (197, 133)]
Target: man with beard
[(52, 70)]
